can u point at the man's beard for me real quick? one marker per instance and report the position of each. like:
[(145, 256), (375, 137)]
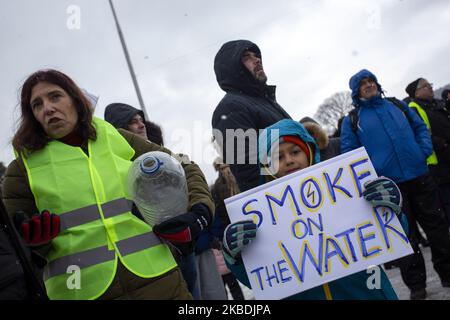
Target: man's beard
[(261, 77)]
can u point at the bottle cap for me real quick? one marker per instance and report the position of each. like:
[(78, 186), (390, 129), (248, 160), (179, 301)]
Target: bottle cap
[(150, 164)]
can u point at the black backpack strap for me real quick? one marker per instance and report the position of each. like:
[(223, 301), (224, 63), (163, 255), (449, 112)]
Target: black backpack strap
[(354, 118), (353, 115), (399, 104)]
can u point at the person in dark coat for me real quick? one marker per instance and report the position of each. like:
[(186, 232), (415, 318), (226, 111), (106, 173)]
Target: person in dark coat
[(398, 143), (436, 116), (249, 103)]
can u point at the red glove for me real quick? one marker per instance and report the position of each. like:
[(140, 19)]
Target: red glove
[(41, 228)]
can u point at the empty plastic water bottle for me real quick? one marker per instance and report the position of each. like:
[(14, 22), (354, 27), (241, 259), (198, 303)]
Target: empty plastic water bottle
[(157, 184)]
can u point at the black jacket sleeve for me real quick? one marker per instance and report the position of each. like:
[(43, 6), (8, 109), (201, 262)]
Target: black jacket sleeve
[(235, 133)]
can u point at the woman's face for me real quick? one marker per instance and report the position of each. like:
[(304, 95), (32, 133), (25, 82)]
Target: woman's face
[(291, 158), (54, 109)]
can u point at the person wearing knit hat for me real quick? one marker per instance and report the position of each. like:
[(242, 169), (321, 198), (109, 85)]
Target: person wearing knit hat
[(412, 87), (122, 115), (436, 115), (287, 147)]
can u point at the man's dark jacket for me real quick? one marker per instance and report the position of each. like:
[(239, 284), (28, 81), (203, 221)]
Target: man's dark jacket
[(439, 118), (247, 104)]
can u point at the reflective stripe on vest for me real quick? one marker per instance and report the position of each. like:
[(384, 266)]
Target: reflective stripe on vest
[(90, 195), (432, 159), (90, 213), (101, 254)]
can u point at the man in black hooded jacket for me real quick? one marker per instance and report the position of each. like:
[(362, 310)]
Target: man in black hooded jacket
[(249, 103)]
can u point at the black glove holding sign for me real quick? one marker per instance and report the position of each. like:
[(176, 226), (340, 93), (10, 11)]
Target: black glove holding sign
[(184, 229)]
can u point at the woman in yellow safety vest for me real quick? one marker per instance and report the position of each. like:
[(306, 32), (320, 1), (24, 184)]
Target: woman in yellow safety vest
[(66, 188)]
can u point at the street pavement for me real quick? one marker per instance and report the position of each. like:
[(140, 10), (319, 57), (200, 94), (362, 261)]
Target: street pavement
[(434, 289)]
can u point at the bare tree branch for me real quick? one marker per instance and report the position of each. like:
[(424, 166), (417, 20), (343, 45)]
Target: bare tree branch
[(332, 109)]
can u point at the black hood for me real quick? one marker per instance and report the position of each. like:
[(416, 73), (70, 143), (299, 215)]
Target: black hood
[(120, 114), (231, 74)]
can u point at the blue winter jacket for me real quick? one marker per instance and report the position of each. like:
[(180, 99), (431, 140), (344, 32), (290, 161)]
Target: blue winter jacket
[(398, 148), (352, 287)]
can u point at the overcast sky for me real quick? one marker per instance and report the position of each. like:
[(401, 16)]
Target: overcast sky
[(310, 50)]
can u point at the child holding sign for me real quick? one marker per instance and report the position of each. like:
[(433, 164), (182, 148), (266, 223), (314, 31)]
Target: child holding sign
[(289, 149)]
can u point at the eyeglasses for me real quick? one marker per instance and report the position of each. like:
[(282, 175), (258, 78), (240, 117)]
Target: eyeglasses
[(429, 85)]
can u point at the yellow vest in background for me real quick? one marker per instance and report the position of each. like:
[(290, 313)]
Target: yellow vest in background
[(431, 160)]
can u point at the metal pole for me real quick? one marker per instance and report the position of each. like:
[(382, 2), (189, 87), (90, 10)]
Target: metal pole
[(130, 65)]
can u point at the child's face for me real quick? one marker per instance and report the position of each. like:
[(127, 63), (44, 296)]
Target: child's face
[(291, 158)]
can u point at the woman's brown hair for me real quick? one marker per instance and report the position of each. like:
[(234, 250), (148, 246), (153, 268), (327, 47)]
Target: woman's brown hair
[(30, 135)]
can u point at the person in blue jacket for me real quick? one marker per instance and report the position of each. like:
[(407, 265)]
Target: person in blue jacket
[(296, 151), (398, 143)]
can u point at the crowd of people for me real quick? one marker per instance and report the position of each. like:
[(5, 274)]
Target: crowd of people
[(69, 230)]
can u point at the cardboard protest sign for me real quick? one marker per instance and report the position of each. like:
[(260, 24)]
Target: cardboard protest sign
[(314, 227)]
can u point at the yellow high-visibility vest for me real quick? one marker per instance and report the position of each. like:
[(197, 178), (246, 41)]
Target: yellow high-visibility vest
[(89, 194), (432, 159)]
